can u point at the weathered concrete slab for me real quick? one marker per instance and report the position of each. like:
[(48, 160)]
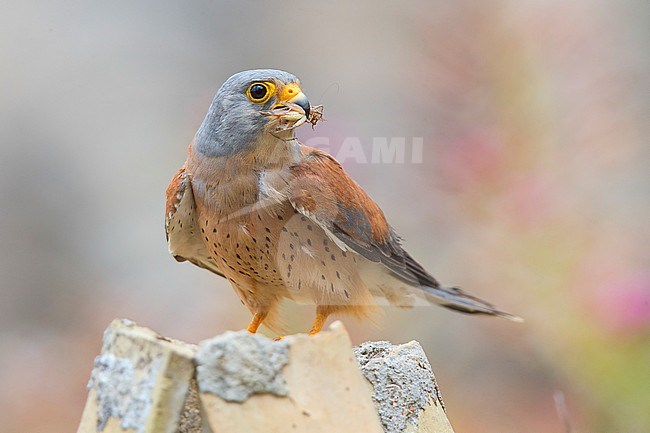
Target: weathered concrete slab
[(240, 382), (319, 388)]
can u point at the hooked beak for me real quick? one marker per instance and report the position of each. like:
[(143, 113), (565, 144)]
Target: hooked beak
[(301, 100), (291, 95), (292, 110)]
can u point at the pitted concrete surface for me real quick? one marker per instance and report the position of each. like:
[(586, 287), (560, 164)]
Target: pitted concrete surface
[(123, 392), (404, 384), (236, 365)]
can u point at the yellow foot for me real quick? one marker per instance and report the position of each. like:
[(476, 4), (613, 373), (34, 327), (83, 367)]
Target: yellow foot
[(258, 318), (279, 338), (319, 321)]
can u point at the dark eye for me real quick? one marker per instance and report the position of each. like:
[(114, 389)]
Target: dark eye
[(258, 91)]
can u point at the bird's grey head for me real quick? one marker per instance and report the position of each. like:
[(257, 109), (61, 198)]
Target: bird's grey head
[(245, 107)]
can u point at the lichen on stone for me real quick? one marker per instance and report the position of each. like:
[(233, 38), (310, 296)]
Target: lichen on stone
[(404, 384), (236, 365), (123, 392)]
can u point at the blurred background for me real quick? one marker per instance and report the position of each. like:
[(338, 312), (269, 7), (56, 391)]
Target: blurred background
[(532, 191)]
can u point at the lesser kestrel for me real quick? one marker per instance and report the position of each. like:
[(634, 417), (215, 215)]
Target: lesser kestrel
[(280, 220)]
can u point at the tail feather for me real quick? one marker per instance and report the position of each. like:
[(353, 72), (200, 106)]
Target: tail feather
[(458, 300)]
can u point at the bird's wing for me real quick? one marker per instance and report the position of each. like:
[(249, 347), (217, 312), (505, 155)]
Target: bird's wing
[(181, 226), (321, 190)]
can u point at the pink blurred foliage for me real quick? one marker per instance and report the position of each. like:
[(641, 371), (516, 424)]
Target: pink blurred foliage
[(474, 159), (478, 163), (541, 144), (622, 304), (613, 286), (531, 200)]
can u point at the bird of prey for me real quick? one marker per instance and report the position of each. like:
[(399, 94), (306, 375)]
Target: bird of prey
[(281, 220)]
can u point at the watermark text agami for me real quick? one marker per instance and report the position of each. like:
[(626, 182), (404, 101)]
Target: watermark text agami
[(383, 150)]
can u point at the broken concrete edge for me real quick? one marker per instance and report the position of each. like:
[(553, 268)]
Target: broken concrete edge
[(132, 330), (236, 365), (129, 379), (403, 382)]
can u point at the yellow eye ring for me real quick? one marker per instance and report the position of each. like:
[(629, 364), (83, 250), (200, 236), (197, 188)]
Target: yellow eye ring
[(260, 91)]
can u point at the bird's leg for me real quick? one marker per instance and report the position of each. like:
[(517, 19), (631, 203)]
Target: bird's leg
[(258, 318), (322, 313)]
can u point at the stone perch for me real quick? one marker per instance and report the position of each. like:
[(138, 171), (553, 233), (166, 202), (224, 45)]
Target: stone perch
[(241, 382)]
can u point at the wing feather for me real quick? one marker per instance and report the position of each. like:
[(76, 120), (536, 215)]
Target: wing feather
[(181, 225), (321, 190)]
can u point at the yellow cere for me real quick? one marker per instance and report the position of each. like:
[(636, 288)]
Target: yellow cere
[(289, 91)]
